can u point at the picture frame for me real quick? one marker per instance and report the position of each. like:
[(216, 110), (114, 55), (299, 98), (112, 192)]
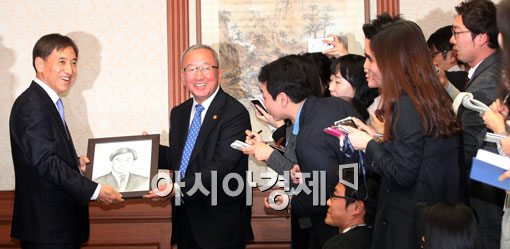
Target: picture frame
[(126, 163)]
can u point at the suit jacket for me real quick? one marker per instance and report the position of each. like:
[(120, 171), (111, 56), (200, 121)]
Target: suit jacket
[(318, 151), (51, 196), (135, 182), (483, 85), (281, 162), (458, 79), (357, 238), (229, 222), (415, 170)]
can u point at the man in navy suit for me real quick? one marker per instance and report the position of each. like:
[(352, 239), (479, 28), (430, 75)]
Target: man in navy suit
[(286, 91), (51, 194), (201, 131)]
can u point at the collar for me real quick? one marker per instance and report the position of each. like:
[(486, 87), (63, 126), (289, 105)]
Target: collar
[(117, 176), (354, 227), (473, 69), (208, 101), (53, 95), (206, 104), (295, 128), (455, 68)]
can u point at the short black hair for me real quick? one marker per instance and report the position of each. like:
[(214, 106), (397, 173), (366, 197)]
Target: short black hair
[(367, 192), (294, 75), (323, 64), (479, 16), (450, 225), (46, 44), (376, 25), (351, 68), (440, 40)]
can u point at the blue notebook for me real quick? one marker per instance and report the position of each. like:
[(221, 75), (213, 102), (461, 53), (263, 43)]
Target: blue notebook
[(488, 166)]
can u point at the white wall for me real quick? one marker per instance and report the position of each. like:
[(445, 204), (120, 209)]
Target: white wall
[(122, 83), (121, 88)]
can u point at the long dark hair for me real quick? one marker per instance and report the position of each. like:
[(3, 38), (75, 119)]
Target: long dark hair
[(351, 68), (450, 226), (407, 69)]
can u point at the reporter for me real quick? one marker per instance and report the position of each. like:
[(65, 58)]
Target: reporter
[(419, 160), (503, 21), (348, 82)]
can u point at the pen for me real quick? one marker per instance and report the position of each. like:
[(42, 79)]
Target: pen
[(253, 136)]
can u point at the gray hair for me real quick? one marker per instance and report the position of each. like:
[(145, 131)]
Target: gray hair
[(200, 46)]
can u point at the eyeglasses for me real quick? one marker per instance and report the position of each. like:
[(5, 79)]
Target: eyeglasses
[(333, 196), (456, 33), (203, 68), (433, 54)]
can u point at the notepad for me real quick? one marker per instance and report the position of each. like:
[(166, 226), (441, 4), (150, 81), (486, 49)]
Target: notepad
[(488, 166)]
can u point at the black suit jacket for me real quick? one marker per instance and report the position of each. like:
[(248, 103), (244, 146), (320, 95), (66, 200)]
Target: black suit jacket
[(415, 170), (51, 196), (357, 238), (318, 151), (229, 222)]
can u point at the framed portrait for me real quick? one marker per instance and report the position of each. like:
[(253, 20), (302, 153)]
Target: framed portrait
[(128, 163)]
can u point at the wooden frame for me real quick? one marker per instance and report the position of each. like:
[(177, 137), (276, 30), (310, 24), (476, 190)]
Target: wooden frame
[(126, 163)]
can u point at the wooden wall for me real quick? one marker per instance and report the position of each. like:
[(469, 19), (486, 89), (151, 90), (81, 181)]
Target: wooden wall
[(144, 224)]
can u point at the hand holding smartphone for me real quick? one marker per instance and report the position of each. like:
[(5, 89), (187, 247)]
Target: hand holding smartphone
[(316, 45), (238, 145), (348, 121), (259, 103)]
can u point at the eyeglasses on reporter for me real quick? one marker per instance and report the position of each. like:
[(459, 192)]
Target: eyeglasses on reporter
[(457, 33)]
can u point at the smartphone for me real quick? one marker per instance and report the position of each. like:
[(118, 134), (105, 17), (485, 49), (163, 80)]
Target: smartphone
[(316, 45), (279, 148), (348, 121), (257, 102), (493, 138), (238, 145), (335, 131)]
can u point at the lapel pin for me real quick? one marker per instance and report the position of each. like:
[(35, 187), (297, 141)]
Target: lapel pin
[(215, 117)]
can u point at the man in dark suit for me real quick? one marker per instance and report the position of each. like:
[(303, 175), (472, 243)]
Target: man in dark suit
[(353, 212), (287, 95), (120, 177), (201, 131), (51, 195), (445, 58), (475, 40)]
